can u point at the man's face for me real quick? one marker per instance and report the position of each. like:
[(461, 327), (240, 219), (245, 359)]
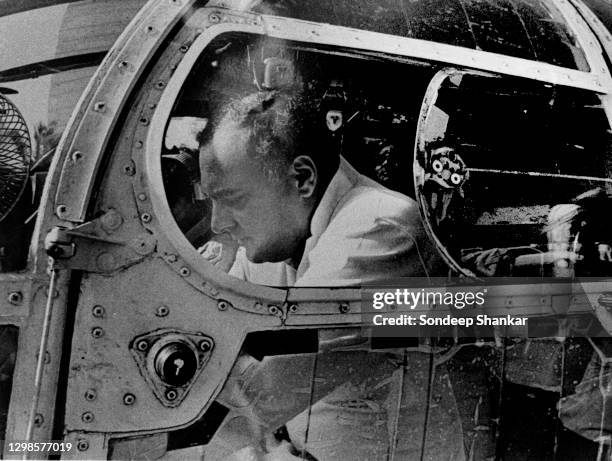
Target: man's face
[(268, 219)]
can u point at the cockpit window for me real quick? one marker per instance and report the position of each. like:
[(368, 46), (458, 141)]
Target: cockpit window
[(530, 29), (514, 178)]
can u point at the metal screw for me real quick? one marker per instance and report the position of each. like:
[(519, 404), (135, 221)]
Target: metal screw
[(185, 272), (82, 445), (344, 308), (146, 217), (15, 297), (87, 417), (293, 308), (222, 305), (38, 420), (129, 399), (205, 345), (77, 155), (273, 310), (90, 395), (129, 169), (98, 311), (142, 345), (171, 394), (97, 332), (162, 311)]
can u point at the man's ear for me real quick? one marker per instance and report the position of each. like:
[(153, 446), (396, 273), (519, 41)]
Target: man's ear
[(304, 172)]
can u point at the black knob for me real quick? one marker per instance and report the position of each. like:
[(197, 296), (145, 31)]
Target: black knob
[(176, 363)]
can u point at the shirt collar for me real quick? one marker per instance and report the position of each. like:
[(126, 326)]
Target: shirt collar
[(343, 181)]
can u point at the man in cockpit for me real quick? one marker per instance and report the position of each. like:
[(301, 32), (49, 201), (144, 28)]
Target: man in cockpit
[(302, 216)]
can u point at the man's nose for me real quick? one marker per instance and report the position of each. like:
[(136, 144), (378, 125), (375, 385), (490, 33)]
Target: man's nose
[(221, 219)]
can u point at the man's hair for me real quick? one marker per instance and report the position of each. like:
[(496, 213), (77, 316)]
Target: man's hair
[(283, 125)]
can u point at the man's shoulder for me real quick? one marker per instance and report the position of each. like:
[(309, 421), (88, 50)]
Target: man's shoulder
[(369, 201)]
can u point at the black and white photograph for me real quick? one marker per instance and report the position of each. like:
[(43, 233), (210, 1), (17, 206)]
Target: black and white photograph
[(318, 230)]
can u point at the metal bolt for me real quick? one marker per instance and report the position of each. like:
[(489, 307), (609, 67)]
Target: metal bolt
[(344, 308), (214, 18), (98, 311), (205, 345), (90, 395), (185, 272), (142, 345), (293, 308), (222, 305), (146, 217), (142, 197), (15, 297), (82, 445), (171, 394), (273, 310), (87, 417), (162, 311), (77, 155), (129, 399), (97, 332), (129, 169), (38, 420)]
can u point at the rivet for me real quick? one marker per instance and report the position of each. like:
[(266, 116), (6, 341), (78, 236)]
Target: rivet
[(185, 272), (258, 306), (214, 18), (129, 399), (47, 360), (98, 311), (142, 345), (87, 417), (162, 311), (144, 121), (171, 394), (15, 297), (344, 308), (61, 209), (205, 345), (146, 217), (91, 395), (123, 64), (152, 106), (222, 305), (172, 258), (183, 49), (38, 420), (293, 308), (129, 169), (139, 144), (99, 107), (77, 155), (97, 332), (150, 29), (273, 310), (142, 197), (160, 85), (82, 445)]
